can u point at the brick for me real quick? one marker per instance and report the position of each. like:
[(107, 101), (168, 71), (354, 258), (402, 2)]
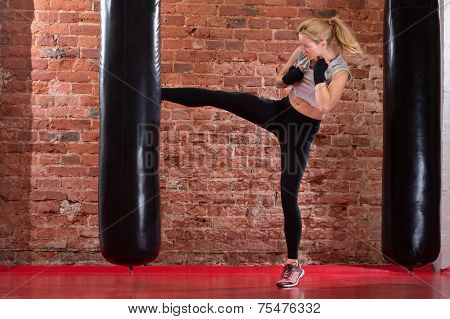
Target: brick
[(183, 67), (88, 42), (236, 22), (285, 35), (92, 30), (42, 75), (89, 53), (70, 137), (257, 23), (45, 16), (68, 17), (234, 45), (238, 11), (78, 77), (89, 17), (253, 34), (81, 5), (199, 9), (173, 20), (82, 88), (279, 12)]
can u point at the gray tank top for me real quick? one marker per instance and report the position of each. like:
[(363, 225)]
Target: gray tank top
[(305, 88)]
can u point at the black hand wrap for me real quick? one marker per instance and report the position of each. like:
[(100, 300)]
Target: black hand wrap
[(319, 71), (293, 75)]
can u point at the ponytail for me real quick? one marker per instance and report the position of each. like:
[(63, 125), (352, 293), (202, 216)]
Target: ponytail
[(344, 36)]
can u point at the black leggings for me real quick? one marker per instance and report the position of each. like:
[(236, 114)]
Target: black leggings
[(295, 133)]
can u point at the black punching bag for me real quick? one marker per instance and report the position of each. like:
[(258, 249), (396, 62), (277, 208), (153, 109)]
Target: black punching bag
[(411, 133), (130, 96)]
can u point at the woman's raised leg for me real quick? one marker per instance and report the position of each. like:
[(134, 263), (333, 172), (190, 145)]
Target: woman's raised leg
[(258, 110)]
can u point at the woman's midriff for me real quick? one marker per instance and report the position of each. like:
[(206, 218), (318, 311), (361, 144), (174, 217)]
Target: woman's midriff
[(304, 107)]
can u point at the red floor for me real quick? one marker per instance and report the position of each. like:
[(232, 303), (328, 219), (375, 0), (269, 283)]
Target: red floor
[(216, 282)]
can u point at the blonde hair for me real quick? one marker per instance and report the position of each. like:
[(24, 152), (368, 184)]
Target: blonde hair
[(332, 30)]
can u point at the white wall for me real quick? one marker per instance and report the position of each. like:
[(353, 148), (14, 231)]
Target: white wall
[(444, 258)]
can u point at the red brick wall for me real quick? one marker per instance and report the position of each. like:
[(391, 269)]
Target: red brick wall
[(220, 194)]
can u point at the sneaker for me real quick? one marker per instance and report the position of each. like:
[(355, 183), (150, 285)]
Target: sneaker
[(290, 275)]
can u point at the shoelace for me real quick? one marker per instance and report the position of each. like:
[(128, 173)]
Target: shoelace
[(287, 271)]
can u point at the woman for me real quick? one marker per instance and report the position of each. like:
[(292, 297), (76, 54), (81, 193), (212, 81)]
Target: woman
[(318, 74)]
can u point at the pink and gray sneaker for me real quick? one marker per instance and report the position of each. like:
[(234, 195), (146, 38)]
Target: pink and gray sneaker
[(290, 275)]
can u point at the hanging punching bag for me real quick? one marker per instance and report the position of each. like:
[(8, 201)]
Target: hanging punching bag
[(130, 96), (411, 133)]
